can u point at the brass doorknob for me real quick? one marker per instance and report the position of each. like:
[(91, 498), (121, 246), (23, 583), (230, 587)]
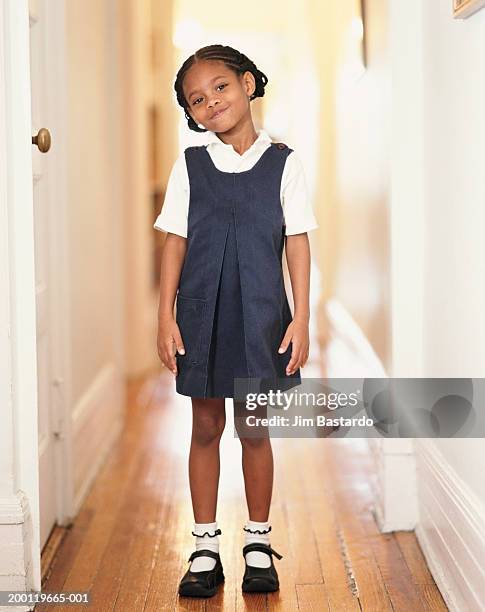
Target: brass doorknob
[(42, 140)]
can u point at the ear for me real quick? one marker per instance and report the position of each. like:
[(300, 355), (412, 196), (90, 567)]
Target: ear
[(190, 114), (249, 82)]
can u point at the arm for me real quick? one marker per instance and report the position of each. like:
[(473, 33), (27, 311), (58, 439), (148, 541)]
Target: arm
[(173, 255), (298, 258)]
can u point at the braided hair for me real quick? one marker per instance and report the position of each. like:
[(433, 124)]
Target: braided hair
[(233, 59)]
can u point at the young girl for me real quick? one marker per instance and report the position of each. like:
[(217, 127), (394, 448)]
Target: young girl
[(230, 208)]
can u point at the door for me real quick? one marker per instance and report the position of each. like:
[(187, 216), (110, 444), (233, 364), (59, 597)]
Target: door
[(51, 380)]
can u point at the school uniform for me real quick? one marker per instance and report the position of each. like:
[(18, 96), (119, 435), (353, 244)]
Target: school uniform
[(232, 308)]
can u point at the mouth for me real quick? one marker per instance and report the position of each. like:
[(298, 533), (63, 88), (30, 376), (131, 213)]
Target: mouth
[(218, 113)]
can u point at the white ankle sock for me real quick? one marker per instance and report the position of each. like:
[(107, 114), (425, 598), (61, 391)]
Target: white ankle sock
[(203, 540), (256, 558)]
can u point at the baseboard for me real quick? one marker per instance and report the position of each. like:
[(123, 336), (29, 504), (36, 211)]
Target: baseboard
[(15, 546), (451, 530), (96, 424), (394, 486)]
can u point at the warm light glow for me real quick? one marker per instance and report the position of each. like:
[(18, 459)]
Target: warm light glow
[(353, 67), (187, 33), (357, 28)]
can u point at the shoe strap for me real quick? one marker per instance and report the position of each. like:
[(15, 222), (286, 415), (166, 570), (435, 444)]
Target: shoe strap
[(261, 548), (204, 553), (258, 530), (211, 535)]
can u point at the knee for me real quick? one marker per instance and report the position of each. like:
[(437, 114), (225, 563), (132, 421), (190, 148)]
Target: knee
[(251, 443), (208, 429)]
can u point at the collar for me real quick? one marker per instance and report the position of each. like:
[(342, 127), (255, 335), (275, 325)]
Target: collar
[(214, 140)]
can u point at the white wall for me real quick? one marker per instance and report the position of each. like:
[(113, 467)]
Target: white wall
[(352, 199), (95, 213), (446, 89), (149, 152), (454, 154), (95, 185)]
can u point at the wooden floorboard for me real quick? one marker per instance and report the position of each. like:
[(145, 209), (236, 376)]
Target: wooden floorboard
[(130, 543)]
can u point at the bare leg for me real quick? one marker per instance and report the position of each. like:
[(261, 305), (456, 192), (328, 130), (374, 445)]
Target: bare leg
[(257, 464), (208, 422)]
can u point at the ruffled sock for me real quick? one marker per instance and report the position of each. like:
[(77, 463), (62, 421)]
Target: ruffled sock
[(206, 538), (257, 532)]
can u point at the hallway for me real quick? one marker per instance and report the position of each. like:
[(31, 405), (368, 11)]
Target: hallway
[(131, 540), (382, 102)]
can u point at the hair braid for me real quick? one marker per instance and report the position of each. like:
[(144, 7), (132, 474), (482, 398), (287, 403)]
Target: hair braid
[(233, 59)]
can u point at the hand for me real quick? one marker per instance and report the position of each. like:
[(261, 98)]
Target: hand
[(297, 334), (168, 335)]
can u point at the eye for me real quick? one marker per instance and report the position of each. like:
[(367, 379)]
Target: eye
[(223, 85)]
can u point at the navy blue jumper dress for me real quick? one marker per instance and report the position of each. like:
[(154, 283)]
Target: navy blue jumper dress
[(232, 309)]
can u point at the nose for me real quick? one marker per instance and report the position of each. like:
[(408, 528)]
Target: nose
[(212, 102)]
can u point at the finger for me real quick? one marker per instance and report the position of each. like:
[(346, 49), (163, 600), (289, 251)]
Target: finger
[(171, 361), (292, 369), (300, 359), (285, 342), (179, 345), (292, 364)]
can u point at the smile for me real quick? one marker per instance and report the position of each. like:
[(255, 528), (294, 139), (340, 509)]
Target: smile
[(218, 114)]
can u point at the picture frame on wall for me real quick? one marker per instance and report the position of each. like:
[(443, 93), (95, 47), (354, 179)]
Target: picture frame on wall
[(465, 8)]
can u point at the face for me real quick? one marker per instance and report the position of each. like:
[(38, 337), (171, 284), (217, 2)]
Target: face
[(217, 97)]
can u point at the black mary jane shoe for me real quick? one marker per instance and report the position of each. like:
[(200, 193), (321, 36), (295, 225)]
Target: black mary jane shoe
[(202, 584), (260, 579)]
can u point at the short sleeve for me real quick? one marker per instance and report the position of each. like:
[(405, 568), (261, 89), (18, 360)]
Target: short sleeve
[(295, 198), (174, 213)]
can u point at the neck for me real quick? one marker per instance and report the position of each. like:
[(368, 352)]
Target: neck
[(241, 136)]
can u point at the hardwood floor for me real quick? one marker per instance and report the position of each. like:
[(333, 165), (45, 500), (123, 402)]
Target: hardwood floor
[(130, 543)]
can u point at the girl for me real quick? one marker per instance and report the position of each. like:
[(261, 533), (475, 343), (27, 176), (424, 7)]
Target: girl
[(230, 207)]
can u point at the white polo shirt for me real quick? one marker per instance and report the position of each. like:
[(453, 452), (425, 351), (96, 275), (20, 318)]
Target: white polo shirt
[(297, 208)]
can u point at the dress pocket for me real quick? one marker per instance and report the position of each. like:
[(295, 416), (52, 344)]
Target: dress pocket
[(190, 318)]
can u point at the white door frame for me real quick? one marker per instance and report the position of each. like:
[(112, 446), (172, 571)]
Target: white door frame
[(19, 478), (395, 458)]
